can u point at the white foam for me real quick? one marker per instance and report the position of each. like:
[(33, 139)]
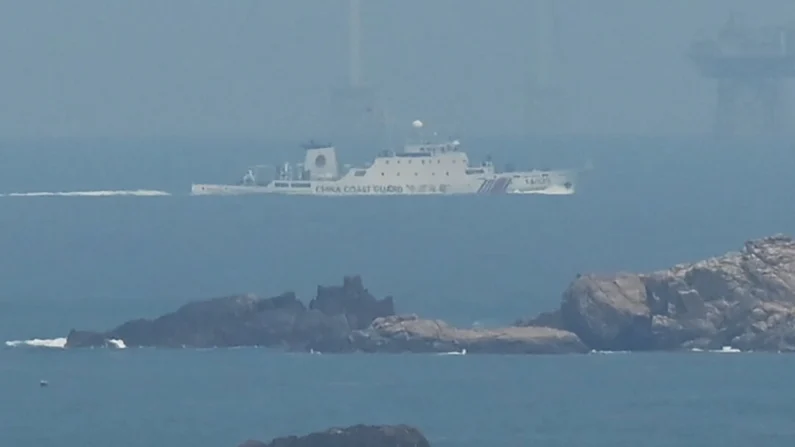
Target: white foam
[(555, 191), (117, 343), (727, 350), (101, 193), (57, 343), (722, 350), (461, 352)]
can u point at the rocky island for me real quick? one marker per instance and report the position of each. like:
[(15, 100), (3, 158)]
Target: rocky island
[(743, 299), (343, 318), (354, 436)]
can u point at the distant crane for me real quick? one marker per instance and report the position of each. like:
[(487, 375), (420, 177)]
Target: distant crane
[(356, 110), (544, 102)]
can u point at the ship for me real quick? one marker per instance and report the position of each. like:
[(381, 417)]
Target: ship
[(420, 168)]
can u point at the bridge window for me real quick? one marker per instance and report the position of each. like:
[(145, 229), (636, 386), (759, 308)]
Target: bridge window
[(359, 173)]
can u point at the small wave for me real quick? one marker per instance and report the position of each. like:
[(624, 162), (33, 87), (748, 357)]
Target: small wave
[(58, 343), (105, 193), (594, 351)]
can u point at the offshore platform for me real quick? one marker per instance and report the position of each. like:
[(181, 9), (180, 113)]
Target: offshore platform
[(751, 68)]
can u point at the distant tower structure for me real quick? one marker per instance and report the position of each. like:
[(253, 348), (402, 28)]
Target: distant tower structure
[(544, 104), (751, 68), (355, 107)]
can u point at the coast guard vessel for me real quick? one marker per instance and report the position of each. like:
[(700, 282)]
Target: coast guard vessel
[(419, 169)]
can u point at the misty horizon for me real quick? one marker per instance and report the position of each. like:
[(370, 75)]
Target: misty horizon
[(254, 70)]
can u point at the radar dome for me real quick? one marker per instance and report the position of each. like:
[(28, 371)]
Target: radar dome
[(417, 124)]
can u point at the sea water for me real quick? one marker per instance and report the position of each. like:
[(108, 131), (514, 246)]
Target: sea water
[(93, 261)]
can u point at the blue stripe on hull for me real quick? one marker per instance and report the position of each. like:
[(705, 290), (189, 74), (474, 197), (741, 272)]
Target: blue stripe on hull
[(485, 186), (495, 186), (500, 185)]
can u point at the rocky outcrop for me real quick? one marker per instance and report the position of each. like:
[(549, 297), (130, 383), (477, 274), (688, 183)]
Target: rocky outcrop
[(354, 436), (742, 299), (409, 333), (340, 319), (250, 321)]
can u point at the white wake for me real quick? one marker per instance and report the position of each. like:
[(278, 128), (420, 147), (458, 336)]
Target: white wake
[(723, 350), (553, 191), (463, 351), (54, 343), (106, 193), (58, 343)]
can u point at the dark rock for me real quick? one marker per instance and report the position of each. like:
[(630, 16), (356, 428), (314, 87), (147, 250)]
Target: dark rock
[(87, 338), (742, 299), (354, 436), (246, 320), (545, 319), (353, 301)]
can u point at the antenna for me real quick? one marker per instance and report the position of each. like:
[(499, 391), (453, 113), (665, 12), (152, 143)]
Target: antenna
[(355, 25)]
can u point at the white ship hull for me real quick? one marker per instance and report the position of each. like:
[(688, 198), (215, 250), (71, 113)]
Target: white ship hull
[(540, 182)]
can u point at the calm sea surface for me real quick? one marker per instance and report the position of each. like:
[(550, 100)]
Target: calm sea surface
[(93, 262)]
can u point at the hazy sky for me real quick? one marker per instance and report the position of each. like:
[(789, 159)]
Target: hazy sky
[(265, 68)]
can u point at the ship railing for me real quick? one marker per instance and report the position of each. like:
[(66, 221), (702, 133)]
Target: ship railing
[(263, 174)]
